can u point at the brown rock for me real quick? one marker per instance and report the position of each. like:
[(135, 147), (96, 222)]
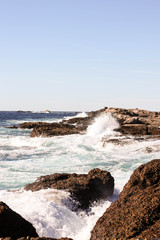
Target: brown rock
[(134, 129), (13, 225), (154, 129), (136, 214), (85, 188), (54, 129)]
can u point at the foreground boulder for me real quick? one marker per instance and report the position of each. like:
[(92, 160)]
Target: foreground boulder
[(136, 214), (85, 188), (13, 225)]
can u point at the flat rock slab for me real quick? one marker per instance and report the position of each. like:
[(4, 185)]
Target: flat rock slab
[(136, 214), (13, 225), (84, 188)]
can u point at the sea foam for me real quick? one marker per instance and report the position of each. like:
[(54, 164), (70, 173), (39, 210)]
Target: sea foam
[(104, 124)]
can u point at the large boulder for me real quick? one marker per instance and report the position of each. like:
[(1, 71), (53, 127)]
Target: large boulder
[(13, 225), (85, 188), (136, 214)]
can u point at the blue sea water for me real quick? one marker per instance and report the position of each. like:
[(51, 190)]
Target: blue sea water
[(23, 159)]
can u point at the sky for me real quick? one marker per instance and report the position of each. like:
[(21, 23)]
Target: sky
[(79, 55)]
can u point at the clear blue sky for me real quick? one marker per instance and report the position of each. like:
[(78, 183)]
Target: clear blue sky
[(79, 54)]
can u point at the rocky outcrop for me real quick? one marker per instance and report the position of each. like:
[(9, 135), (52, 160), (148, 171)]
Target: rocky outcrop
[(84, 188), (135, 122), (136, 214), (13, 225), (54, 129)]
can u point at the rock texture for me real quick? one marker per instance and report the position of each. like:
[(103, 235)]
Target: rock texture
[(54, 129), (85, 188), (136, 214), (13, 225)]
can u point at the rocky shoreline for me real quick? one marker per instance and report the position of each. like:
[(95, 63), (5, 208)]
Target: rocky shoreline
[(133, 122), (135, 215)]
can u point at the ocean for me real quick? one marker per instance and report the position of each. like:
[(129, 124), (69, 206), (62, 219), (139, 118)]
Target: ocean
[(23, 159)]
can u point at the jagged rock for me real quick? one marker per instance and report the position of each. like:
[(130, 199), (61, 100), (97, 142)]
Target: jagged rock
[(85, 188), (13, 225), (136, 214)]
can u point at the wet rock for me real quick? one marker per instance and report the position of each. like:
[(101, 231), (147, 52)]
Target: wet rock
[(118, 141), (134, 129), (154, 129), (136, 214), (13, 225), (84, 188), (54, 129), (30, 125), (151, 149)]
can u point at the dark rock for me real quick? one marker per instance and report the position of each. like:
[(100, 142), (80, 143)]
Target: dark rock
[(13, 225), (134, 129), (154, 130), (133, 120), (136, 214), (54, 129), (30, 125), (85, 188)]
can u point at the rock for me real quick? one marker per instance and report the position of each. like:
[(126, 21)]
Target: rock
[(132, 121), (54, 129), (13, 225), (136, 214), (30, 125), (154, 129), (85, 188), (153, 148), (134, 129)]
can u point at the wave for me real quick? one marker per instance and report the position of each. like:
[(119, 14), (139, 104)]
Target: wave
[(103, 125), (79, 115), (47, 211)]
